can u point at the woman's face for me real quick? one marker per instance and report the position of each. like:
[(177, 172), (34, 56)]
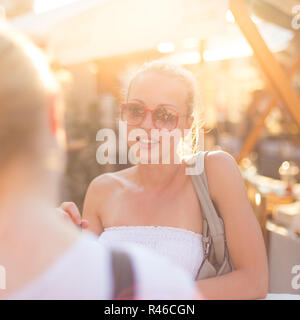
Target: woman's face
[(165, 98)]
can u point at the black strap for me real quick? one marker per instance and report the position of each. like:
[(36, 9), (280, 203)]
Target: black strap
[(123, 276)]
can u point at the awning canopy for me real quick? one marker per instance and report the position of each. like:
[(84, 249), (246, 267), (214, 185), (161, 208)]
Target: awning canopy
[(41, 26), (102, 28), (95, 29)]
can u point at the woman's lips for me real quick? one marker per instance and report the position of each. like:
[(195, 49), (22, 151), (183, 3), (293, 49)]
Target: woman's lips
[(145, 143)]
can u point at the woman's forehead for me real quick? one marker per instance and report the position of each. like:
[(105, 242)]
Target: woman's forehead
[(154, 88)]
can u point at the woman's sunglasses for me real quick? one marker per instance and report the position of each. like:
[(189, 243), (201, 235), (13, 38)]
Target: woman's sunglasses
[(163, 116)]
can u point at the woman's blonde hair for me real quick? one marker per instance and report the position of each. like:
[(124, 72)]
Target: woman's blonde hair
[(191, 144), (26, 86)]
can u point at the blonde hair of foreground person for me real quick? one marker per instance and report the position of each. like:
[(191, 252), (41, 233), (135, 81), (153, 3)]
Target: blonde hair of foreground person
[(42, 254), (29, 97)]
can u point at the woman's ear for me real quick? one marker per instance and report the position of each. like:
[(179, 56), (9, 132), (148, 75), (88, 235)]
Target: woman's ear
[(56, 116), (53, 113)]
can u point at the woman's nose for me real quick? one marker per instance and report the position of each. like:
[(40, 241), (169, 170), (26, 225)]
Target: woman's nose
[(147, 122)]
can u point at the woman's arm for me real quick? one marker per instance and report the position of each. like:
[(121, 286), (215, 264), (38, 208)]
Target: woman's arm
[(92, 206), (246, 246), (97, 195)]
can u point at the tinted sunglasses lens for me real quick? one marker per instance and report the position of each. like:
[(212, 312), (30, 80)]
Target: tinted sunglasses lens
[(133, 113), (165, 118)]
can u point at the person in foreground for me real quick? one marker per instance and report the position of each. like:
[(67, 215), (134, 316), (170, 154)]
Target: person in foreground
[(44, 256), (156, 205)]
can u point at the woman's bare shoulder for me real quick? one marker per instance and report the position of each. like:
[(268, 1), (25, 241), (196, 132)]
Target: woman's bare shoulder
[(218, 159), (221, 170), (107, 182)]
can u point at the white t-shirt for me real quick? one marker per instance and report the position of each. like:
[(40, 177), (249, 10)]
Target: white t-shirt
[(84, 272)]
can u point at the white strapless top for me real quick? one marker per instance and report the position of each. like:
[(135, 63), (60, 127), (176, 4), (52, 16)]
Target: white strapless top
[(181, 246)]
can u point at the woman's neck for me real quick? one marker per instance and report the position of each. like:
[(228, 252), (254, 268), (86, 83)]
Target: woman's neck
[(18, 210), (32, 237), (22, 198), (161, 176)]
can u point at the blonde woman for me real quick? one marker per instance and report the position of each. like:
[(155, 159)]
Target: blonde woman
[(44, 256), (156, 206)]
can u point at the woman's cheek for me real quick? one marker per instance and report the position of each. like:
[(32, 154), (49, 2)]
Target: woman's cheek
[(131, 135)]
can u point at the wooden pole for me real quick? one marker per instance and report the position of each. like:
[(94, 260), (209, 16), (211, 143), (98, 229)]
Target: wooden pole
[(270, 66), (259, 126)]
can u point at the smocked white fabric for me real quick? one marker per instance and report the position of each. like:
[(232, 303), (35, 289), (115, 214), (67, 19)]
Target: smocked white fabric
[(183, 247)]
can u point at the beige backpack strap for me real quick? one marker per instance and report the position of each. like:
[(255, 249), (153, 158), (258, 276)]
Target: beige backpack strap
[(215, 225), (206, 239)]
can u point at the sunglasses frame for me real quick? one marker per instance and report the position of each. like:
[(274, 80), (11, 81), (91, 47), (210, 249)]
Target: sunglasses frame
[(152, 114)]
